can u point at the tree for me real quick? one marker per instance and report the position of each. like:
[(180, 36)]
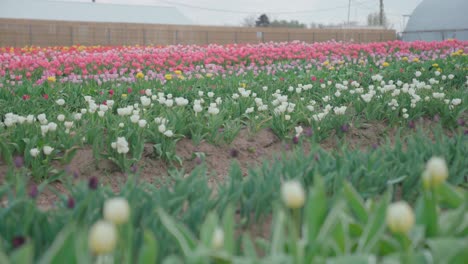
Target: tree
[(262, 21), (248, 21), (335, 25), (287, 24), (373, 19)]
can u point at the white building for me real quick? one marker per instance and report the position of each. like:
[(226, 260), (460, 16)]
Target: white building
[(91, 12), (438, 20)]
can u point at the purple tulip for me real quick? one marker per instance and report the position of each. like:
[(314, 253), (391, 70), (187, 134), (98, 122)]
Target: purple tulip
[(295, 140), (345, 128), (33, 191), (93, 183), (70, 203), (234, 153), (19, 162), (18, 241)]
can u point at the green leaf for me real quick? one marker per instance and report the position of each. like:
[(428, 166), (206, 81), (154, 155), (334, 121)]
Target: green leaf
[(339, 239), (450, 195), (248, 247), (375, 226), (355, 259), (81, 246), (4, 258), (23, 255), (422, 257), (182, 236), (173, 260), (228, 228), (355, 202), (316, 209), (278, 236), (430, 217), (62, 249), (207, 229), (149, 250), (444, 250), (455, 222)]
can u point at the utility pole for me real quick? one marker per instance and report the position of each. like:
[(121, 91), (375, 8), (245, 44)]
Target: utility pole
[(349, 10), (381, 17)]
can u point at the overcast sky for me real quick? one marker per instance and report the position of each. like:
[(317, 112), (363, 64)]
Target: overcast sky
[(233, 12)]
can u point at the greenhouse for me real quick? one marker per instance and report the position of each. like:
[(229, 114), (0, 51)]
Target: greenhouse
[(438, 20)]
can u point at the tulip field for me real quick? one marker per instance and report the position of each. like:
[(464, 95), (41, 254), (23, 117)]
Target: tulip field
[(291, 152)]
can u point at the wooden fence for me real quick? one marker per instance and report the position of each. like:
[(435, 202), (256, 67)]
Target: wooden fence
[(17, 32)]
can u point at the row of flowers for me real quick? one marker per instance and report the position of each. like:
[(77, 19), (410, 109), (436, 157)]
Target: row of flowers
[(128, 64), (156, 115)]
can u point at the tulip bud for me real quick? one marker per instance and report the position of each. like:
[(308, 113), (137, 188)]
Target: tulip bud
[(116, 210), (400, 217), (293, 194), (436, 172), (217, 241), (102, 237)]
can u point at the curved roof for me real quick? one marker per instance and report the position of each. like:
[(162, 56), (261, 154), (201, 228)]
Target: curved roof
[(91, 12), (444, 17)]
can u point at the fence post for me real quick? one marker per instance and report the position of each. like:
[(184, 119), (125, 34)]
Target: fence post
[(30, 35), (71, 35)]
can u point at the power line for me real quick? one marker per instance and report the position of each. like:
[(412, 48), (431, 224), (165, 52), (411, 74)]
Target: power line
[(254, 12)]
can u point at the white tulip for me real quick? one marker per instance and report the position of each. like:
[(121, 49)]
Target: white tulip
[(293, 194), (168, 133), (68, 124), (162, 128), (299, 130), (121, 145), (60, 101), (400, 217), (217, 241), (134, 118), (44, 129), (52, 126), (30, 119), (47, 150), (34, 152), (116, 210), (197, 108), (142, 123), (102, 237), (436, 172)]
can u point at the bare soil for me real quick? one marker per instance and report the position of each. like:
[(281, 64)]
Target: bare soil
[(247, 149)]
